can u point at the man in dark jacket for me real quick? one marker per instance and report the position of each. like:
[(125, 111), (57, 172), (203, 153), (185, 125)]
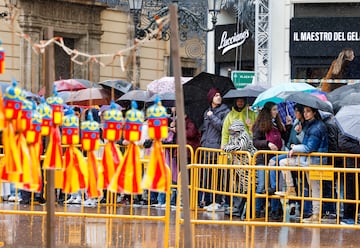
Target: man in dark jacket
[(329, 209), (211, 138), (349, 145)]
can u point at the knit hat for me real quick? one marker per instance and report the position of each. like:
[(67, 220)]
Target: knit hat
[(212, 92)]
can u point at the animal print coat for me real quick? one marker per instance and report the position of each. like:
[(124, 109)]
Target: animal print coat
[(240, 140)]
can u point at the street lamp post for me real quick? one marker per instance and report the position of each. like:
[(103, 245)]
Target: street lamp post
[(188, 20)]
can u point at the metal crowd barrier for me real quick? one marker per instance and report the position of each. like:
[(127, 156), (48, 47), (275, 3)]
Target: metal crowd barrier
[(217, 177), (110, 213)]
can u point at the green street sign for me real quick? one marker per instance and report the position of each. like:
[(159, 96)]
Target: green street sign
[(242, 78)]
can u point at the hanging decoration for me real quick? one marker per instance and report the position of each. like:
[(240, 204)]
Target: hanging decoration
[(53, 152), (12, 111), (2, 115), (33, 139), (23, 124), (2, 59), (112, 157), (127, 178), (90, 134), (157, 176), (75, 174), (46, 114)]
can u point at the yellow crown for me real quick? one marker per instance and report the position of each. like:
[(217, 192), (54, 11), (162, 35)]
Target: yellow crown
[(134, 115), (90, 126), (45, 110), (156, 111), (13, 92), (36, 118), (113, 115), (54, 100), (71, 121)]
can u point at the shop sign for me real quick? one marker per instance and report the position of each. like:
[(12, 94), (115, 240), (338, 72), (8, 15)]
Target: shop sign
[(229, 39), (323, 36), (242, 78)]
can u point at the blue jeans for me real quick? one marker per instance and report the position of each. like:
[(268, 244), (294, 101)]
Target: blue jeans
[(161, 198), (260, 202), (328, 207)]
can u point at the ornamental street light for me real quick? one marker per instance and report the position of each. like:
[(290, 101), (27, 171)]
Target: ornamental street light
[(189, 21)]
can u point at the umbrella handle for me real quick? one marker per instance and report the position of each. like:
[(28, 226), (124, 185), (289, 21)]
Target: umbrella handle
[(287, 110)]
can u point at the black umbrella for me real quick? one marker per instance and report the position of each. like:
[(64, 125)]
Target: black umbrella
[(309, 100), (339, 94), (120, 87), (349, 121), (167, 99), (140, 96), (250, 91), (351, 99), (195, 94)]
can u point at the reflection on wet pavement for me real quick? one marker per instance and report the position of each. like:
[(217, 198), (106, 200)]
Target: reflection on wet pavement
[(29, 231)]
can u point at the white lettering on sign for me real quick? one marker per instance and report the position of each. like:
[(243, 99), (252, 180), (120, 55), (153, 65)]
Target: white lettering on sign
[(326, 36), (228, 43)]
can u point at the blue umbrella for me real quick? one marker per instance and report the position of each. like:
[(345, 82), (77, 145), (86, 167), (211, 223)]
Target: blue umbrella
[(348, 121), (272, 94)]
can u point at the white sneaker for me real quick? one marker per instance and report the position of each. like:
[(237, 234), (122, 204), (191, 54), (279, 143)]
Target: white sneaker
[(90, 202), (13, 198), (215, 207), (70, 200), (77, 200)]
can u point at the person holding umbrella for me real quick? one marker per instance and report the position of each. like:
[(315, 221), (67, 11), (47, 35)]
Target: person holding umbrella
[(315, 140), (350, 145), (211, 136), (240, 111), (268, 132)]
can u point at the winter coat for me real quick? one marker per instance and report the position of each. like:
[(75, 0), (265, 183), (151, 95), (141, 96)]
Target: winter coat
[(315, 140), (192, 134), (349, 145), (261, 143), (236, 115), (295, 137), (239, 139), (211, 131)]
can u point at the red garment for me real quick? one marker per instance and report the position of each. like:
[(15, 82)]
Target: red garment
[(192, 134), (274, 136)]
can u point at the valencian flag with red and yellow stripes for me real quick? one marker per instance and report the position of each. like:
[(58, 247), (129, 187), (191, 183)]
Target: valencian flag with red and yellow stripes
[(75, 174), (53, 152), (33, 139), (90, 134), (127, 178), (157, 176), (13, 100), (112, 157), (76, 171)]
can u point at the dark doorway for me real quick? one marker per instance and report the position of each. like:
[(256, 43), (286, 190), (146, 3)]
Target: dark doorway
[(63, 68)]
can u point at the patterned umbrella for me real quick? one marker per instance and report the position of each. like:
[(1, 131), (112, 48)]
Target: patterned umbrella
[(164, 84)]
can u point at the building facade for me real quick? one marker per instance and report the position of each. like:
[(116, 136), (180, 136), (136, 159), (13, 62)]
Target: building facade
[(90, 27), (306, 35)]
